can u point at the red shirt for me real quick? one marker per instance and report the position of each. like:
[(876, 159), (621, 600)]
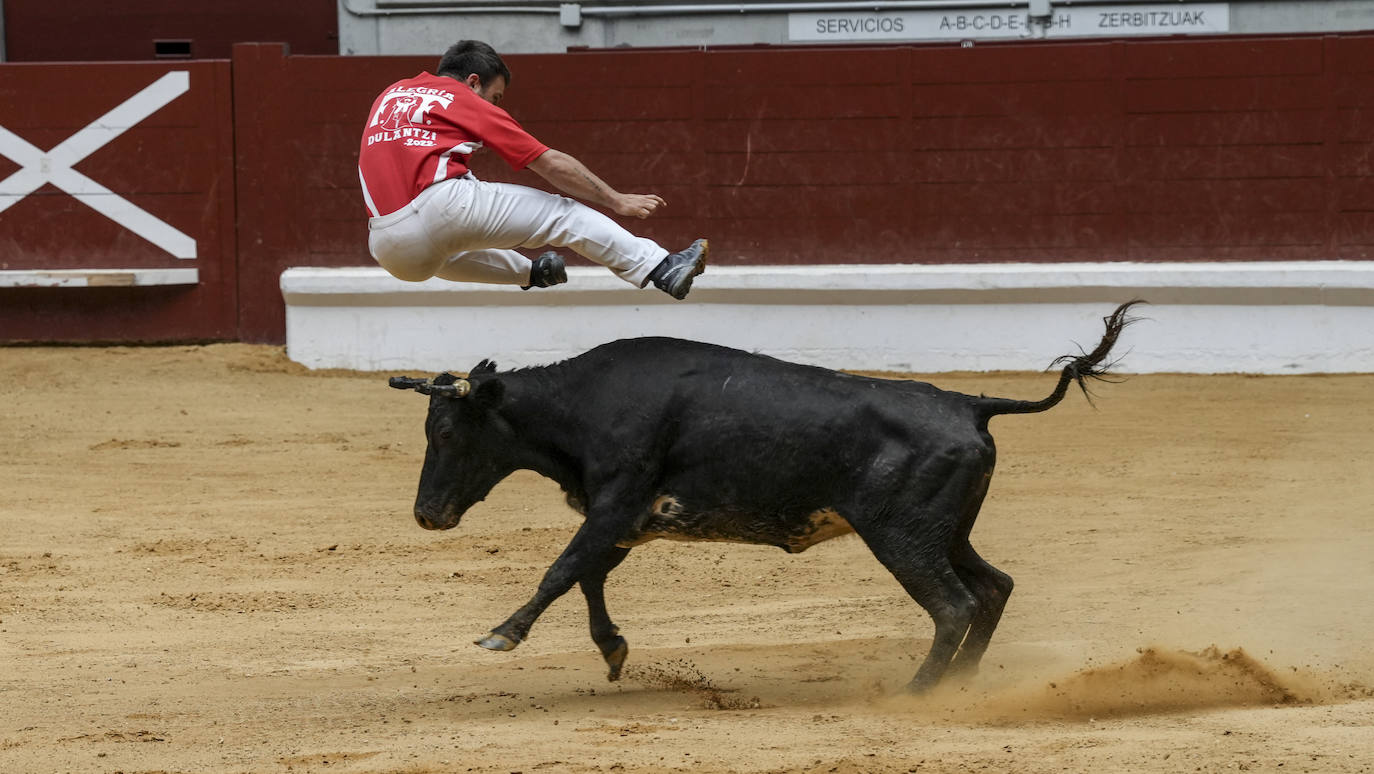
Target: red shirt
[(423, 130)]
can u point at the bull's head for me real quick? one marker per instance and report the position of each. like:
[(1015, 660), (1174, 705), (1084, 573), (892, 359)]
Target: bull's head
[(466, 439)]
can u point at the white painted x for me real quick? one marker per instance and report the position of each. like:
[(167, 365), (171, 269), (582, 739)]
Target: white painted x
[(55, 166)]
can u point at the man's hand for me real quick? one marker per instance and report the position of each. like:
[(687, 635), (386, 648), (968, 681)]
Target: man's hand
[(638, 205)]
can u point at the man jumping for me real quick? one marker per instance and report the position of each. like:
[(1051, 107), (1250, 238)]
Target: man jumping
[(431, 218)]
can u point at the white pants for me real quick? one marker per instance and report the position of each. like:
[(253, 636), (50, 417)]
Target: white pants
[(464, 230)]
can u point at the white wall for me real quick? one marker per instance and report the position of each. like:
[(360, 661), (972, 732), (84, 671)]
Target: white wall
[(1203, 318)]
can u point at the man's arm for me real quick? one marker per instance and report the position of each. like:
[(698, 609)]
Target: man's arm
[(572, 177)]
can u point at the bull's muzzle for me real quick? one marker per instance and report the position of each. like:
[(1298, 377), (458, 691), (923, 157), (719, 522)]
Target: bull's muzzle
[(436, 518)]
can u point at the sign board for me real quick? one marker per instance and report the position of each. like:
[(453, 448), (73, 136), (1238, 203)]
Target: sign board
[(1065, 21)]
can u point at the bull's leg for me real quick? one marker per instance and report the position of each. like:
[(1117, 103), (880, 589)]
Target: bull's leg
[(915, 547), (950, 605), (590, 548), (992, 587), (605, 634)]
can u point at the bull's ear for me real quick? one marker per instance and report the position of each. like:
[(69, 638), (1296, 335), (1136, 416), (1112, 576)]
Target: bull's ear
[(445, 379), (489, 393), (484, 367)]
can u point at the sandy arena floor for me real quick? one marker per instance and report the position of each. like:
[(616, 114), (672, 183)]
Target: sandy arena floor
[(208, 564)]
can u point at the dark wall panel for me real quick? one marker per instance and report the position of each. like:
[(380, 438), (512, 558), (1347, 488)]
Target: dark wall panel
[(100, 30)]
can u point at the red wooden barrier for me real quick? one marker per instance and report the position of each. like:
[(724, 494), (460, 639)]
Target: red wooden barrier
[(124, 168), (1143, 150)]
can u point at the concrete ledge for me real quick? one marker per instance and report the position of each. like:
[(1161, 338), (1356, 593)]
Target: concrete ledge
[(96, 278), (1203, 317)]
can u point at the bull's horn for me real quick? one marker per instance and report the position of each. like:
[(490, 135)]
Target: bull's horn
[(458, 389)]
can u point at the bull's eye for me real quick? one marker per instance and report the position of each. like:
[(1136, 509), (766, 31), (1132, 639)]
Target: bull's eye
[(446, 434)]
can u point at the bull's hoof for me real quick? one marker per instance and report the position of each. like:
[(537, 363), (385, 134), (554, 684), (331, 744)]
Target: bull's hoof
[(496, 641), (615, 658)]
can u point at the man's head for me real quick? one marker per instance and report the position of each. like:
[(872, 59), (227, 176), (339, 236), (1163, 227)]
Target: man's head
[(479, 66)]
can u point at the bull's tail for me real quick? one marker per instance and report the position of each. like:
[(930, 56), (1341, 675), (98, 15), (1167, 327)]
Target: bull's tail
[(1077, 368)]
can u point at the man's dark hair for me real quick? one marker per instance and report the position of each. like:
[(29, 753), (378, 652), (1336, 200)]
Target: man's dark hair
[(472, 56)]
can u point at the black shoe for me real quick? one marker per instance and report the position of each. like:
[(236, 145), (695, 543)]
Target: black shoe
[(546, 271), (674, 274)]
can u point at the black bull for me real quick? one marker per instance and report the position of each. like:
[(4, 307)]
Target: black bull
[(662, 438)]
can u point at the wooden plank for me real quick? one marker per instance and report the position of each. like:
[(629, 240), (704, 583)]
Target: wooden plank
[(153, 161), (767, 101), (1020, 254), (644, 103), (1017, 197), (1222, 229), (1352, 194), (1074, 98), (343, 106), (576, 137), (345, 240), (589, 72), (802, 204), (110, 314), (1245, 94), (1354, 90), (1018, 231), (1355, 124), (1350, 53), (819, 135), (803, 67), (809, 169), (1228, 197), (1042, 62), (645, 167), (1015, 131), (267, 96), (783, 241), (1228, 128), (366, 73), (217, 247), (1031, 164), (1353, 159), (1354, 235), (96, 278), (90, 92), (51, 229), (1222, 57), (1226, 162)]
